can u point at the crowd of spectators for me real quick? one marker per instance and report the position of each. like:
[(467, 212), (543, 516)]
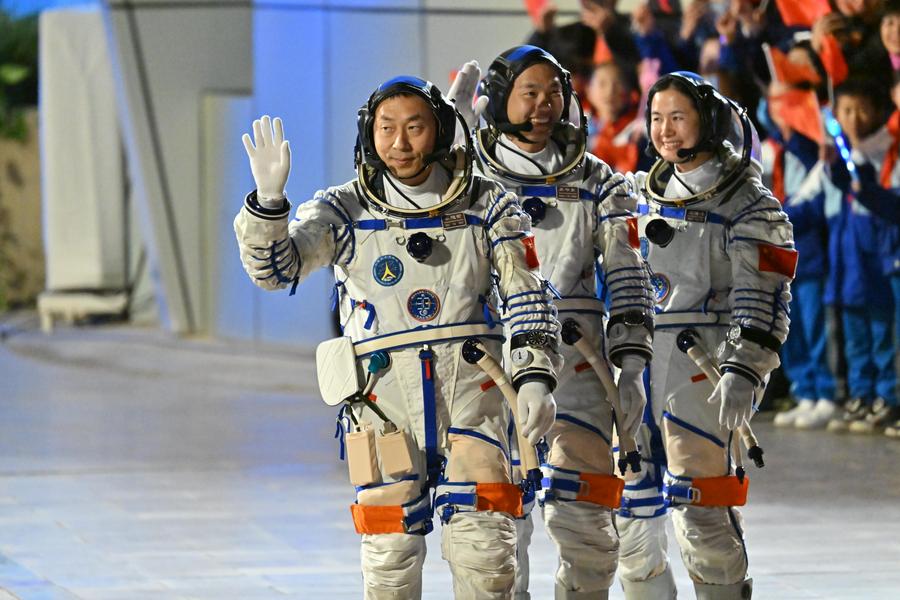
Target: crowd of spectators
[(820, 79)]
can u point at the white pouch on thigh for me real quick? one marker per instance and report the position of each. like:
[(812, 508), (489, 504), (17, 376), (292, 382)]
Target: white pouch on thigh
[(336, 370)]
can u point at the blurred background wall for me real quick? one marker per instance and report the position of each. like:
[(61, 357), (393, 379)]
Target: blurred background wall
[(186, 78)]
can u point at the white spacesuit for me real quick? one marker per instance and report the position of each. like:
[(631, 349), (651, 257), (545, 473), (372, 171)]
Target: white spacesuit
[(413, 243), (578, 219), (721, 254)]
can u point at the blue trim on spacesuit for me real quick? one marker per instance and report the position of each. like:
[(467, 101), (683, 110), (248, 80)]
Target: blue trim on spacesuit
[(693, 429), (412, 223), (550, 191), (584, 424), (480, 436)]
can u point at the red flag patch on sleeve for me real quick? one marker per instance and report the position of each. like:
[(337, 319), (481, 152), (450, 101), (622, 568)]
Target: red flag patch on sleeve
[(778, 260), (633, 239), (531, 256)]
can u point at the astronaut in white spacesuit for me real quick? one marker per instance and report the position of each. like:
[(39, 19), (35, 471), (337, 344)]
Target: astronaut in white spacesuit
[(533, 147), (721, 254), (413, 242)]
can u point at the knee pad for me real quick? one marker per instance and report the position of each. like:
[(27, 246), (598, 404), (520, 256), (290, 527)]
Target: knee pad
[(392, 565), (588, 547), (399, 507), (712, 543), (481, 550), (643, 549)]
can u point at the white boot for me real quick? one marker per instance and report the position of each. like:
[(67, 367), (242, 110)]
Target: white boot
[(735, 591), (818, 417), (787, 418), (661, 587)]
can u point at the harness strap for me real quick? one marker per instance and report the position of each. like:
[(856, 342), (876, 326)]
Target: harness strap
[(560, 192), (450, 221), (434, 462), (452, 497), (424, 335), (568, 485), (412, 517), (691, 215), (726, 490)]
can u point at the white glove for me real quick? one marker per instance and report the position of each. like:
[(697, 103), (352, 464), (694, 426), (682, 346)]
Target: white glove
[(632, 396), (270, 158), (619, 191), (537, 409), (462, 93), (637, 181), (736, 394)]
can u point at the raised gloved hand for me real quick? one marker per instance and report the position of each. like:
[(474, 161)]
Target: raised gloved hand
[(537, 409), (270, 158), (632, 396), (619, 191), (462, 93), (736, 394)]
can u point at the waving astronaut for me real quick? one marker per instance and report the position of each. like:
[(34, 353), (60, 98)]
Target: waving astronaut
[(579, 216), (413, 242), (722, 257)]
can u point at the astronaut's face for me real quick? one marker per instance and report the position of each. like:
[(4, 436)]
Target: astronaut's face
[(857, 116), (675, 124), (404, 133), (536, 97)]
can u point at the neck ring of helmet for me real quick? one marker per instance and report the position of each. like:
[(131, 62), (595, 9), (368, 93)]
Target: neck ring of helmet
[(572, 139)]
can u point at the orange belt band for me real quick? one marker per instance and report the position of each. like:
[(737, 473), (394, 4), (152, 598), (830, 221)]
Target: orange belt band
[(721, 491), (605, 490), (377, 519), (502, 497)]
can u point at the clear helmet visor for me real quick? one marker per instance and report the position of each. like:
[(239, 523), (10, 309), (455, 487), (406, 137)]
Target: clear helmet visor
[(736, 151), (383, 193), (570, 135)]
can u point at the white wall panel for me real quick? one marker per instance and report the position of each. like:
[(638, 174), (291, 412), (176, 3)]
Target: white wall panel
[(166, 56)]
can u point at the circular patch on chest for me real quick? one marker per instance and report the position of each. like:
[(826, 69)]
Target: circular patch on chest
[(661, 286), (423, 305), (387, 270)]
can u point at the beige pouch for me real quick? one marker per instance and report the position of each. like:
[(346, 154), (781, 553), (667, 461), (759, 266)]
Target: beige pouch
[(393, 449), (361, 457)]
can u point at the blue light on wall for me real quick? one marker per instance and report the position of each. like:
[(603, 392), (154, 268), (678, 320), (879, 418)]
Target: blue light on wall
[(18, 8)]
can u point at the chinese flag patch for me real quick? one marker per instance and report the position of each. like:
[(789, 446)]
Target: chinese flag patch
[(777, 260), (633, 239), (531, 257)]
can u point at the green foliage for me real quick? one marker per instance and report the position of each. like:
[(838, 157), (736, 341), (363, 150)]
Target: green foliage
[(18, 72)]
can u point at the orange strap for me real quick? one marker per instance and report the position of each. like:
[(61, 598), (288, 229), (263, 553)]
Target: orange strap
[(377, 519), (605, 490), (720, 491), (502, 497)]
